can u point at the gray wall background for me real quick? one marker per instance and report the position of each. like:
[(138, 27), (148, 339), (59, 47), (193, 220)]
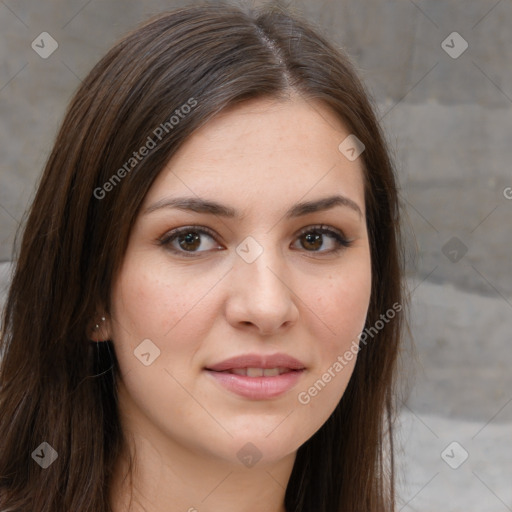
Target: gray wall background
[(449, 122)]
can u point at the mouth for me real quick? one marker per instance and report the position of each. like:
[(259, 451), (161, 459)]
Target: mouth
[(257, 377), (257, 372), (255, 365)]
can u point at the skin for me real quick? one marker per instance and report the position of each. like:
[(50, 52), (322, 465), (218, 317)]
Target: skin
[(297, 298)]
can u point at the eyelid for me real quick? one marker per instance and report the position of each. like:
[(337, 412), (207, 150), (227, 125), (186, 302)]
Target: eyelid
[(324, 228), (164, 239)]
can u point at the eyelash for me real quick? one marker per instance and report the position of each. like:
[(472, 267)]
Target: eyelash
[(168, 237)]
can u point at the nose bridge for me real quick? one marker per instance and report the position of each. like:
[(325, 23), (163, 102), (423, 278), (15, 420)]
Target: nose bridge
[(258, 262), (260, 294)]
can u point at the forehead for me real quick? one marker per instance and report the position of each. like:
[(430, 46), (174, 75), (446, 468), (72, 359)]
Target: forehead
[(264, 151)]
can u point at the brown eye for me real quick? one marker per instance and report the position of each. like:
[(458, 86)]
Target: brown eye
[(313, 241), (190, 241), (313, 238), (187, 241)]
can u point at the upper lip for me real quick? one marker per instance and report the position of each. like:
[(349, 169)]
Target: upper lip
[(258, 361)]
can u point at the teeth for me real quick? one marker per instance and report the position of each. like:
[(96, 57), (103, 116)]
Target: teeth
[(255, 372), (239, 371), (259, 372)]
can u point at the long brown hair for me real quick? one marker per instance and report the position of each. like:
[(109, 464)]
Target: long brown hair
[(58, 387)]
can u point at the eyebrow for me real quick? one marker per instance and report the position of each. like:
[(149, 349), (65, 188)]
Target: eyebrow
[(199, 205)]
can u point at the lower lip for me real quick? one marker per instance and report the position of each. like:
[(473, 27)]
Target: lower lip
[(257, 388)]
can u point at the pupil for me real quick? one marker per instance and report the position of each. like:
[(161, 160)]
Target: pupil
[(312, 238), (190, 238)]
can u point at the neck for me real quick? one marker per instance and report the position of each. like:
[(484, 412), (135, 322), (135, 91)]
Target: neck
[(168, 476), (196, 484)]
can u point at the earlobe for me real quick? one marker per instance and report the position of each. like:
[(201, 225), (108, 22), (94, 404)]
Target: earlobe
[(98, 330)]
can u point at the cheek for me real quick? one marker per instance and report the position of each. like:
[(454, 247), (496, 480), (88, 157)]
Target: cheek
[(138, 303), (340, 314), (149, 301), (343, 303)]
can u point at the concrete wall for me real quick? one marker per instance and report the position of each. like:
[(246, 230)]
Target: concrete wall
[(447, 111)]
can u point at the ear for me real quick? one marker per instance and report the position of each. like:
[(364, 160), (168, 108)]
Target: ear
[(98, 328)]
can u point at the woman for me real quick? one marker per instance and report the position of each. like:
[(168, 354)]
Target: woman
[(205, 310)]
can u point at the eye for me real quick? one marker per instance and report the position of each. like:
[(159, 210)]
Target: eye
[(313, 237), (188, 239)]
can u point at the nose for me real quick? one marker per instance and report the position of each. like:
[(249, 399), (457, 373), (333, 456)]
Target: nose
[(261, 295)]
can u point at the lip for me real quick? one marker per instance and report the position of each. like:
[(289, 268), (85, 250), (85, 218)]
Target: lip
[(257, 388), (258, 361)]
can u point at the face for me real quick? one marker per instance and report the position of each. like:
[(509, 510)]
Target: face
[(271, 275)]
